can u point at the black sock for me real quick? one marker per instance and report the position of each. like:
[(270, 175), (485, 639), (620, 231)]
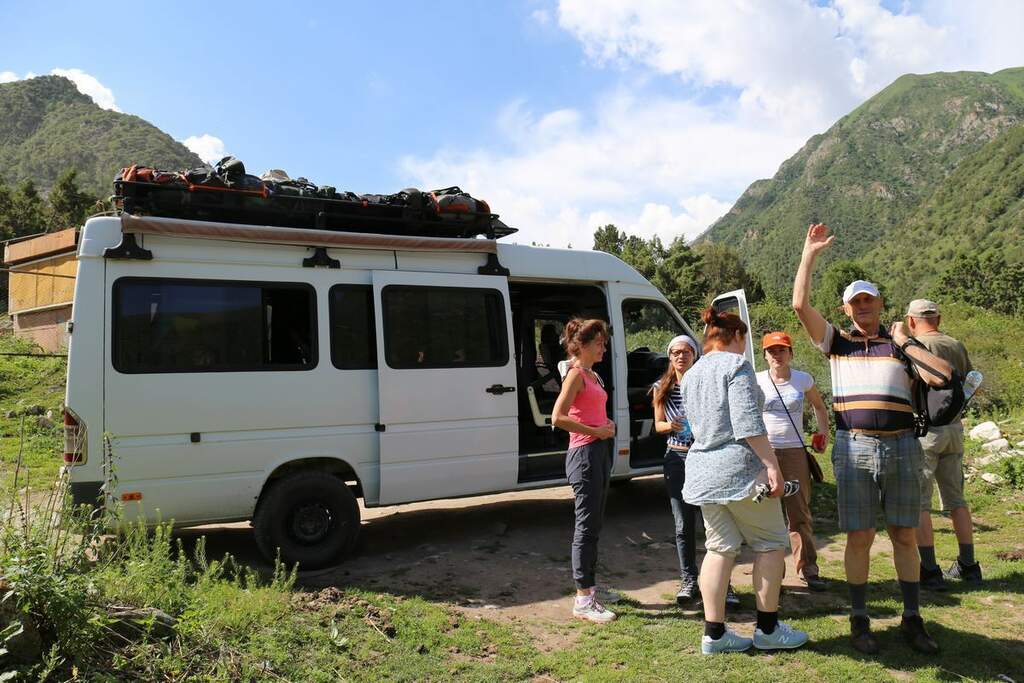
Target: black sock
[(859, 599), (927, 556), (714, 629), (967, 554), (911, 597), (766, 621)]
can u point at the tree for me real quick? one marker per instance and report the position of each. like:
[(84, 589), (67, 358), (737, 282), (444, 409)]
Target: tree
[(675, 271), (609, 239), (987, 282), (680, 278), (27, 214), (6, 204), (723, 271), (69, 206)]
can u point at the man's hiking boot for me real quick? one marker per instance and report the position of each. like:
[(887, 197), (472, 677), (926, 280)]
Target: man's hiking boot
[(731, 599), (912, 628), (815, 583), (969, 573), (687, 590), (860, 635), (933, 579)]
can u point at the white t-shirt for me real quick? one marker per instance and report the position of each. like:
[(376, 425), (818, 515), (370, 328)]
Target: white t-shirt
[(781, 433)]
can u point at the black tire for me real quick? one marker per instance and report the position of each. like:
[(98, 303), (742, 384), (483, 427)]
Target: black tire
[(311, 516)]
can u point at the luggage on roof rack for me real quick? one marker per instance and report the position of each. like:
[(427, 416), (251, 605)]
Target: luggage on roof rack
[(226, 193)]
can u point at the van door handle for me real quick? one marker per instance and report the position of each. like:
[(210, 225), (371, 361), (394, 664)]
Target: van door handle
[(498, 389)]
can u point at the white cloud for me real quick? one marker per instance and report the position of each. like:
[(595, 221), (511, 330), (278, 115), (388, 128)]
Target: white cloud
[(541, 16), (207, 147), (8, 76), (753, 81), (88, 84)]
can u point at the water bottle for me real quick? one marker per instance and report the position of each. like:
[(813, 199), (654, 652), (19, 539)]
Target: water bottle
[(971, 384)]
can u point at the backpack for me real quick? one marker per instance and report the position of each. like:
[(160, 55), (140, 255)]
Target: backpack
[(937, 406)]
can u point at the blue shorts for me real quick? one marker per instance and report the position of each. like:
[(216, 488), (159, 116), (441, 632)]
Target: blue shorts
[(877, 472)]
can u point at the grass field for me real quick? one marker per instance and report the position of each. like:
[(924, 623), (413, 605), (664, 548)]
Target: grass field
[(235, 625)]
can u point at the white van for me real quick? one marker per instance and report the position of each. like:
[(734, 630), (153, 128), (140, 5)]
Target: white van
[(277, 375)]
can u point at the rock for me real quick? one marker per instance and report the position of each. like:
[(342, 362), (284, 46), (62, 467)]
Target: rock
[(1020, 444), (44, 422), (49, 414), (34, 409), (992, 478), (996, 446), (986, 431), (993, 459), (131, 622)]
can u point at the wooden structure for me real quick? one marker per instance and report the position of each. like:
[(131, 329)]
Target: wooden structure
[(40, 304)]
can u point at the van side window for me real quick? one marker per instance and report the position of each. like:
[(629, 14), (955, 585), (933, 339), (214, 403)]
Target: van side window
[(167, 325), (648, 324), (444, 327), (353, 332)]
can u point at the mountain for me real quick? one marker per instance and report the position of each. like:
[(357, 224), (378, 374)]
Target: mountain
[(900, 180), (978, 209), (48, 126)]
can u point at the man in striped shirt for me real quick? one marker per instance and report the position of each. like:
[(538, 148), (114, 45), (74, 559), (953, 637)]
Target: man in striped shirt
[(876, 458)]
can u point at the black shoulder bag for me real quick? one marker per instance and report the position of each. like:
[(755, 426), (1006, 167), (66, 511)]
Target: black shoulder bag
[(812, 463)]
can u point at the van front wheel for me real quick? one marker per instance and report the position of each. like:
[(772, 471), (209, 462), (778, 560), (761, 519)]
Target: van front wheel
[(312, 517)]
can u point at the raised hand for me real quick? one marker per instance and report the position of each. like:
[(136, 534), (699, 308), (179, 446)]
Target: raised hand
[(818, 239)]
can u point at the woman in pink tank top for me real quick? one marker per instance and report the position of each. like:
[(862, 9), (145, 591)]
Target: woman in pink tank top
[(582, 410)]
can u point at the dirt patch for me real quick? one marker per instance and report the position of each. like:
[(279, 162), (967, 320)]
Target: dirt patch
[(506, 557)]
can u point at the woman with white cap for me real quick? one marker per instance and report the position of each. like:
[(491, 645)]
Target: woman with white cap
[(670, 419)]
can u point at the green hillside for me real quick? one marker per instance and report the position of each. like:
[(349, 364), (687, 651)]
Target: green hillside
[(873, 173), (47, 126), (978, 210)]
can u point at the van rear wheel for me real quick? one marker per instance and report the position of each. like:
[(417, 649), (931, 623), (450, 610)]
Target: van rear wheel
[(312, 517)]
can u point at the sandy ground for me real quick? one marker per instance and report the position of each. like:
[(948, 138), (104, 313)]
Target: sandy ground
[(506, 556)]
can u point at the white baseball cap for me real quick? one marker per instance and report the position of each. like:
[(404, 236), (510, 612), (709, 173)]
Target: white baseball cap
[(859, 287)]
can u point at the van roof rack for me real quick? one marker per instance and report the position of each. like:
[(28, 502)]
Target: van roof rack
[(260, 207), (318, 240)]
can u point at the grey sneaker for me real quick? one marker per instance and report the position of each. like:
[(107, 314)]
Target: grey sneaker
[(731, 599), (591, 610), (687, 590), (784, 637), (607, 596), (729, 642)]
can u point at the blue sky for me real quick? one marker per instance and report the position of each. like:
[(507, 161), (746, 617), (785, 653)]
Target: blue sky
[(564, 114)]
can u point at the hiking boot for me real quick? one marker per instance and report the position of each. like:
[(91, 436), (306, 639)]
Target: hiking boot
[(933, 579), (912, 628), (729, 642), (606, 596), (815, 583), (784, 637), (687, 590), (731, 599), (860, 635), (969, 573), (588, 608)]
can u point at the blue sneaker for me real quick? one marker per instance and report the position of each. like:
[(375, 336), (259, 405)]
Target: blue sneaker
[(729, 642), (784, 637)]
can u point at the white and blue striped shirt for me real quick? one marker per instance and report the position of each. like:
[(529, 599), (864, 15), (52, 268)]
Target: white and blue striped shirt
[(674, 412)]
